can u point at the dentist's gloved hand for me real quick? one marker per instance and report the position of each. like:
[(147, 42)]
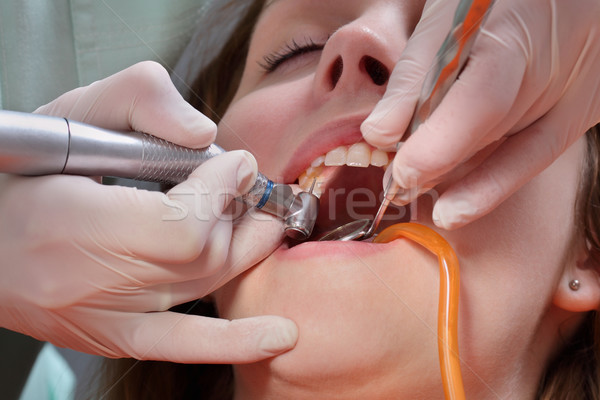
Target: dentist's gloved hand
[(531, 87), (94, 268)]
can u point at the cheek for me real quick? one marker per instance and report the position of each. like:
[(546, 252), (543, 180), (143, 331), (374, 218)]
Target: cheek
[(265, 122)]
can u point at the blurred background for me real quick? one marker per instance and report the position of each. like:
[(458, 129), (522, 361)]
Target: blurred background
[(48, 48)]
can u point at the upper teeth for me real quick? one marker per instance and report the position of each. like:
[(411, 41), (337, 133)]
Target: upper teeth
[(356, 155)]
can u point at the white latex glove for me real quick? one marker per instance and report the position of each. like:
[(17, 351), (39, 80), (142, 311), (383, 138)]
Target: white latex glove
[(531, 87), (93, 267)]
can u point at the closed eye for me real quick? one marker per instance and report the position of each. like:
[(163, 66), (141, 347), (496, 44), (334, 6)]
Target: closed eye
[(272, 61)]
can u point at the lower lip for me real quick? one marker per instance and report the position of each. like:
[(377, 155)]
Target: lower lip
[(337, 249)]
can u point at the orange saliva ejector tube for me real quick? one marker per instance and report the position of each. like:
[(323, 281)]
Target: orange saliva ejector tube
[(448, 299)]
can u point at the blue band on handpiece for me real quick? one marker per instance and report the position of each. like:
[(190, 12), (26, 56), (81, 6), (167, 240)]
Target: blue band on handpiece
[(265, 195)]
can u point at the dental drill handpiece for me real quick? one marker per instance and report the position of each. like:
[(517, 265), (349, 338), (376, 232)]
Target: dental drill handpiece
[(33, 144)]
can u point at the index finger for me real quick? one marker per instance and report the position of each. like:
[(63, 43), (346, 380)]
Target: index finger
[(391, 116), (141, 98), (170, 336), (472, 115)]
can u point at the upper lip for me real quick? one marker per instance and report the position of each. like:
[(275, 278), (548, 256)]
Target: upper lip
[(341, 132)]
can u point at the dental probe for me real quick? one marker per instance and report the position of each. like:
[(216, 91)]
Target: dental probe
[(33, 144)]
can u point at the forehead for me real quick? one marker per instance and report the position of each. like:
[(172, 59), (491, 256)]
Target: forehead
[(278, 14), (281, 19)]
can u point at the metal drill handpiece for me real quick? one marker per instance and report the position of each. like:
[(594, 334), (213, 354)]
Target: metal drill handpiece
[(32, 144), (298, 211), (303, 215)]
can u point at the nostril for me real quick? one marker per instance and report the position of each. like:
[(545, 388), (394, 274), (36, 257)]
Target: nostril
[(377, 71), (336, 71)]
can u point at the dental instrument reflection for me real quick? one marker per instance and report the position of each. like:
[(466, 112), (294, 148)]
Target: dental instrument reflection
[(448, 62), (32, 144)]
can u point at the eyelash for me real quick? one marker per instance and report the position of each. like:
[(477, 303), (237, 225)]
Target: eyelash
[(272, 61)]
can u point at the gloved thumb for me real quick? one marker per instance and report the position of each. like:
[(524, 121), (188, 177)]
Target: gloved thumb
[(255, 237)]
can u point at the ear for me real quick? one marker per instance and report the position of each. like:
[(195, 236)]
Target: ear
[(585, 268)]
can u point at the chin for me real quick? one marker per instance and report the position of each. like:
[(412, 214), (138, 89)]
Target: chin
[(360, 318)]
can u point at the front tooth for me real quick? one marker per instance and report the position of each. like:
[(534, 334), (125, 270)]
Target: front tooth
[(379, 158), (359, 155), (336, 156)]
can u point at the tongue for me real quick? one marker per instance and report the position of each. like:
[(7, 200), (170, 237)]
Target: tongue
[(348, 194)]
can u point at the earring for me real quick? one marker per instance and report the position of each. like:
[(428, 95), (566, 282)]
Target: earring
[(574, 284)]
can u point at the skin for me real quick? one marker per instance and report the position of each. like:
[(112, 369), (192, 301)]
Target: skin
[(366, 312)]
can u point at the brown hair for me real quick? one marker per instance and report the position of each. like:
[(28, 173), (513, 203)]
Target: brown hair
[(574, 372), (215, 85)]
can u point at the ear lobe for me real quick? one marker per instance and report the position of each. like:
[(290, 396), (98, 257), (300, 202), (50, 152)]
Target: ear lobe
[(585, 296)]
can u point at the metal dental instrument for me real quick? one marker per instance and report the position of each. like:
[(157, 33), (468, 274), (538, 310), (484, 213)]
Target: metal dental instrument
[(447, 64), (32, 144)]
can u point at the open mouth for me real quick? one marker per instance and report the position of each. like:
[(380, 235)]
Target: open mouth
[(348, 181)]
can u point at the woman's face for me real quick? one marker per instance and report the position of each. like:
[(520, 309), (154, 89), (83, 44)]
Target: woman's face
[(367, 313)]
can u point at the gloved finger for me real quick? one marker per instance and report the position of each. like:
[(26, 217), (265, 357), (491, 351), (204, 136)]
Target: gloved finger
[(205, 275), (247, 247), (433, 187), (180, 287), (140, 98), (159, 297), (132, 235), (169, 336), (233, 248), (145, 228), (177, 227), (389, 120), (401, 196), (473, 114), (516, 161)]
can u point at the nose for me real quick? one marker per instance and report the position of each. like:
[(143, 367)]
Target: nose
[(359, 56), (373, 69)]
